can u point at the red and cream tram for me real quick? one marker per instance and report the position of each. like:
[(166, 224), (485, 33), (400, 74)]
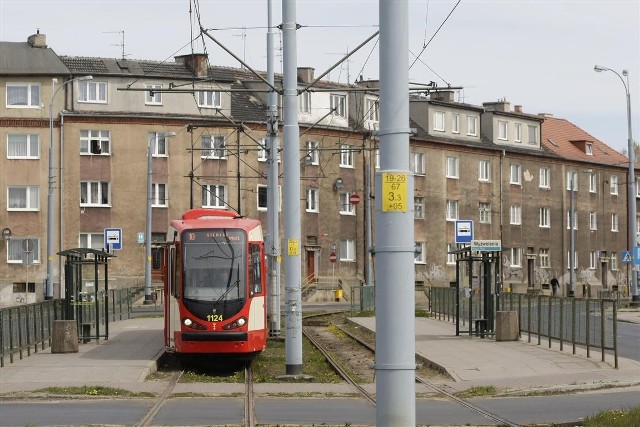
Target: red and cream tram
[(215, 293)]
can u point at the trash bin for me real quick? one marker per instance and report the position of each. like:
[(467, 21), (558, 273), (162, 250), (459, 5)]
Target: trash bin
[(337, 294)]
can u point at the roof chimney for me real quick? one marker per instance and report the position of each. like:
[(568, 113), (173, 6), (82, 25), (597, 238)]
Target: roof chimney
[(38, 40), (517, 108), (501, 105), (305, 74), (198, 63), (442, 95)]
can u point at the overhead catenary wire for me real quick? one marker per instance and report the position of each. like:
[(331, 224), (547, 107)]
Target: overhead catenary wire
[(424, 47)]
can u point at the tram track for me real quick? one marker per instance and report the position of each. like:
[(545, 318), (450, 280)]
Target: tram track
[(146, 420)]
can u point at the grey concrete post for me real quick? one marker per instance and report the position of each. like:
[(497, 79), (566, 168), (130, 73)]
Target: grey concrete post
[(291, 166), (395, 270), (572, 233)]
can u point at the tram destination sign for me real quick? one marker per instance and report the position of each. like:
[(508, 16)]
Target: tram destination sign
[(486, 245)]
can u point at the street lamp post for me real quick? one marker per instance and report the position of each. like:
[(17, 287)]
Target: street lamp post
[(572, 232), (148, 295), (631, 180), (48, 294)]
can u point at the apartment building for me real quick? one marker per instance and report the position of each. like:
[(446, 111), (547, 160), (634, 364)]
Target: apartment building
[(205, 127)]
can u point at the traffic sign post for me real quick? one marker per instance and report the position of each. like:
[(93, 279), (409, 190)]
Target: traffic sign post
[(626, 257), (333, 257), (464, 231), (113, 238), (354, 199)]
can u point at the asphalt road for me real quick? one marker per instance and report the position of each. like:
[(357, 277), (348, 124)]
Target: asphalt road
[(629, 340)]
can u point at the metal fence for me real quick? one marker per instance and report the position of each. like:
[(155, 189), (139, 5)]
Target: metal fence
[(580, 322), (363, 298), (27, 328)]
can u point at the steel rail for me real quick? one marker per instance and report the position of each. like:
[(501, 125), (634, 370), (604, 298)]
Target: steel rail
[(145, 421)]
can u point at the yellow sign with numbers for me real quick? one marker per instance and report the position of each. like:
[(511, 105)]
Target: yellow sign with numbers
[(292, 245), (394, 192)]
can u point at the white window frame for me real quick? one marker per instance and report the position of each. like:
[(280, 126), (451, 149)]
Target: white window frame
[(420, 258), (453, 167), (32, 94), (102, 145), (438, 121), (23, 143), (455, 123), (88, 240), (209, 98), (339, 102), (451, 258), (517, 130), (214, 196), (614, 261), (347, 250), (570, 177), (484, 170), (313, 152), (575, 220), (418, 160), (158, 189), (544, 258), (262, 197), (159, 146), (213, 147), (515, 174), (346, 208), (593, 183), (92, 92), (87, 187), (532, 135), (575, 260), (30, 201), (545, 178), (614, 222), (313, 200), (346, 156), (484, 212), (593, 221), (156, 98), (593, 260), (515, 215), (15, 253), (503, 130), (304, 102), (372, 110), (545, 217), (418, 208), (472, 126), (452, 210), (516, 257), (613, 185), (588, 148)]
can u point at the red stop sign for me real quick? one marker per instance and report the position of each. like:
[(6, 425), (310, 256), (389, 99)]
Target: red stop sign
[(333, 257), (354, 199)]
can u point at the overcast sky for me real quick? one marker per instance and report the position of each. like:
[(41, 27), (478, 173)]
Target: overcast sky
[(535, 53)]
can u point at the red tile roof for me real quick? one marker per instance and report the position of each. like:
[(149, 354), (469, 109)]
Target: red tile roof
[(567, 140)]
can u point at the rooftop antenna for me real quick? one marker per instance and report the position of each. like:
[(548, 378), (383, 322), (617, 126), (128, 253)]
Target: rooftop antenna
[(121, 44), (244, 44)]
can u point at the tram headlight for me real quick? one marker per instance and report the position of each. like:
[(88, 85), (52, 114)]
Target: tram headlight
[(235, 324), (187, 322), (241, 321)]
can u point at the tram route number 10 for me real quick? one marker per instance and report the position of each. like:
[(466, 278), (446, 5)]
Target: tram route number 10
[(394, 192)]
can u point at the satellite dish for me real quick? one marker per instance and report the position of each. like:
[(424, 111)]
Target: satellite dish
[(6, 234)]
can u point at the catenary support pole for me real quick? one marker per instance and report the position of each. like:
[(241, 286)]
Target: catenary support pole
[(273, 190), (394, 247), (291, 165)]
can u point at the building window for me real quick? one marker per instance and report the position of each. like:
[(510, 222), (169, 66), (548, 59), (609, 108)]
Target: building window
[(262, 197), (346, 208), (515, 217), (572, 179), (472, 123), (23, 146), (484, 170), (545, 178), (452, 167), (451, 258), (92, 241), (304, 102), (515, 175), (593, 184), (533, 135), (92, 91), (516, 255), (452, 210), (589, 148), (613, 185), (455, 123), (23, 198), (575, 220), (438, 121), (151, 97), (346, 156), (209, 99), (575, 260), (347, 250), (485, 212), (376, 155), (338, 105), (543, 257), (614, 222), (614, 261), (95, 142), (214, 196), (593, 221), (545, 214), (517, 129), (159, 195), (159, 144), (502, 130), (213, 147), (23, 95), (95, 193), (17, 255), (593, 260), (420, 254), (313, 153), (418, 164), (313, 200), (418, 205), (372, 110)]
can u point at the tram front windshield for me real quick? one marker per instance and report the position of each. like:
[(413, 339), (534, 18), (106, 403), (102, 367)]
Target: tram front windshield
[(214, 265)]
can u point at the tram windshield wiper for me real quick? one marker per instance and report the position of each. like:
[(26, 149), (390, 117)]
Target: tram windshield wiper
[(229, 288)]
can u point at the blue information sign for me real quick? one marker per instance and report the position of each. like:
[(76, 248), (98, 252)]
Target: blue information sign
[(113, 238), (464, 231)]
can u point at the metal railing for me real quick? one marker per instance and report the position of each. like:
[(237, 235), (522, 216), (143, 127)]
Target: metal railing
[(590, 323), (28, 327)]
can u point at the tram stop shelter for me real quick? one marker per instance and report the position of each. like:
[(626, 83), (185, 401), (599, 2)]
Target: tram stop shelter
[(478, 300), (87, 291)]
